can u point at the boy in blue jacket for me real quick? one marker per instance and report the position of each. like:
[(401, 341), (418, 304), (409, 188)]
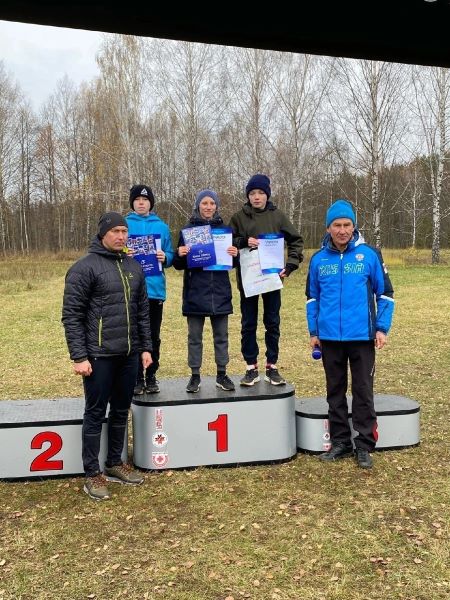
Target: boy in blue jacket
[(142, 221), (349, 311)]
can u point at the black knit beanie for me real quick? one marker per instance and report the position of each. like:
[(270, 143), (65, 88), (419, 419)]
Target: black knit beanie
[(142, 190), (108, 221)]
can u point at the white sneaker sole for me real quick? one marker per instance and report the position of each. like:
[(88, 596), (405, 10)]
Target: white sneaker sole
[(95, 497), (117, 480), (252, 383), (224, 388), (274, 382)]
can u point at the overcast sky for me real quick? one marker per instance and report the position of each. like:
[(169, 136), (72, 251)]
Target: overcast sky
[(37, 57)]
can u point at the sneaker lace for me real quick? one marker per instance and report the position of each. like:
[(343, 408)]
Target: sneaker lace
[(98, 480)]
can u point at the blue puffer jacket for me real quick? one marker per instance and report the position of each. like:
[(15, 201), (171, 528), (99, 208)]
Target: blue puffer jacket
[(205, 293), (349, 294), (151, 224)]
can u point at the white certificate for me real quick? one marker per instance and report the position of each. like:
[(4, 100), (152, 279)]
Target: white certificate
[(254, 281), (223, 239), (271, 252)]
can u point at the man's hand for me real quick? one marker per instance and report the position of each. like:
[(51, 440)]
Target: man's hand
[(380, 340), (314, 341), (147, 359), (160, 255), (82, 368), (253, 242)]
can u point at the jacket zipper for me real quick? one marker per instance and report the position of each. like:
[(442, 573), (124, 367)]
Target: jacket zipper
[(126, 291)]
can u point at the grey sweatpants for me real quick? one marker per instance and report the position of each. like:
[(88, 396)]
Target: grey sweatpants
[(219, 324)]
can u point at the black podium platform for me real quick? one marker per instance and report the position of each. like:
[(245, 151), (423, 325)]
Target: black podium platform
[(176, 429)]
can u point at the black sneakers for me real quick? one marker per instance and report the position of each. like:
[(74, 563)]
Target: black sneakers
[(337, 451), (251, 377), (152, 387), (273, 376), (139, 388), (224, 382), (363, 458), (194, 384)]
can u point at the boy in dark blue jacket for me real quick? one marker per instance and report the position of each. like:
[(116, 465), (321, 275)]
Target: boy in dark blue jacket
[(206, 294), (349, 310)]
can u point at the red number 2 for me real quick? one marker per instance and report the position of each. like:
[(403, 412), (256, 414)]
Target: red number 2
[(220, 426), (42, 462)]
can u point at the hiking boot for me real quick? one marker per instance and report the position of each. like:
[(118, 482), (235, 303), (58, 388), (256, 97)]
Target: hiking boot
[(273, 376), (337, 451), (152, 387), (123, 474), (139, 388), (224, 382), (96, 488), (251, 377), (363, 458), (194, 384)]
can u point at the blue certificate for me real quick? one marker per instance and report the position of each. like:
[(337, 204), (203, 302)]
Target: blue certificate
[(201, 246), (223, 239), (271, 252), (144, 249)]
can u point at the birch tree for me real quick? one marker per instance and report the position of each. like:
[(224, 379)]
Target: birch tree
[(367, 101), (432, 95)]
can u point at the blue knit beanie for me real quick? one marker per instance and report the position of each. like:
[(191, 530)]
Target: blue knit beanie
[(203, 194), (340, 209), (259, 182)]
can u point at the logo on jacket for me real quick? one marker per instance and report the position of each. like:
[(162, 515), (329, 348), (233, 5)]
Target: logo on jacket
[(359, 256)]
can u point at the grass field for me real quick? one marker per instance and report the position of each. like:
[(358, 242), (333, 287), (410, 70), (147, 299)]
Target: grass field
[(297, 531)]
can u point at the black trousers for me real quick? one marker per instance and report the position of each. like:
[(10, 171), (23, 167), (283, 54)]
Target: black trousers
[(112, 381), (155, 308), (361, 356), (249, 323)]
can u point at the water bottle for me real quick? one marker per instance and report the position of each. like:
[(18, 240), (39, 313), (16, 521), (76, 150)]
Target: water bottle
[(316, 352)]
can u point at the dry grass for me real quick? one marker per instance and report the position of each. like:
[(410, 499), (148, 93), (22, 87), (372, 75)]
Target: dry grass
[(297, 531)]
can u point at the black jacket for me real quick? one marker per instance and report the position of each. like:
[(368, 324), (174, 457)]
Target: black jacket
[(105, 305), (205, 293)]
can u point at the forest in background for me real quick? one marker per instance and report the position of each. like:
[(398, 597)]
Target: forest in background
[(182, 116)]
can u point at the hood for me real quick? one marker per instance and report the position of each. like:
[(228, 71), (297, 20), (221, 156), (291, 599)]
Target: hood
[(132, 216)]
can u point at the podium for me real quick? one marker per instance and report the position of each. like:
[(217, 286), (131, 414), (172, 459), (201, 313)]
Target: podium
[(398, 421), (42, 438), (176, 429)]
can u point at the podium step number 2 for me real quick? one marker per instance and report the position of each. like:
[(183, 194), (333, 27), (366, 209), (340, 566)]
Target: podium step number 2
[(42, 438)]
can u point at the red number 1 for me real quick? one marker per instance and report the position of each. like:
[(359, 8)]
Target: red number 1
[(220, 426), (42, 461)]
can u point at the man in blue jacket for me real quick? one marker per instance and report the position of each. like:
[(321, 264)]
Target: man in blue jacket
[(349, 311), (143, 222)]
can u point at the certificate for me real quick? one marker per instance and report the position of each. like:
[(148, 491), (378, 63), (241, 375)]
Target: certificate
[(254, 281), (223, 239), (144, 249), (271, 252), (201, 246)]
